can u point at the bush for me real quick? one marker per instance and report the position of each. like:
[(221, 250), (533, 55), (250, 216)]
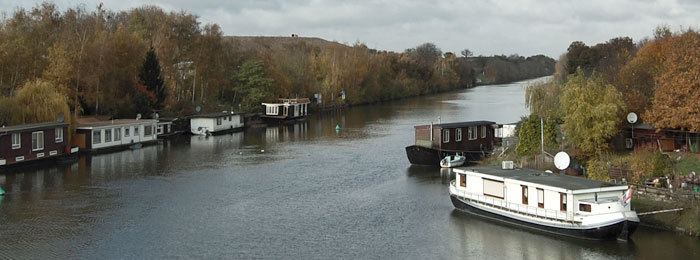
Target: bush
[(650, 164), (598, 170)]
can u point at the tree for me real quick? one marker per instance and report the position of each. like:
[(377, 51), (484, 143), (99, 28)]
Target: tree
[(466, 53), (677, 91), (40, 103), (253, 85), (529, 133), (543, 99), (591, 106), (151, 79)]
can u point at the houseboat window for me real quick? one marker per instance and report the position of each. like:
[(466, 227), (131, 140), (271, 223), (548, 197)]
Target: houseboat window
[(59, 134), (160, 129), (483, 131), (458, 134), (37, 141), (524, 188), (463, 180), (96, 136), (126, 131), (16, 140), (148, 130), (446, 136), (136, 130), (229, 119), (108, 135), (472, 132), (540, 198), (584, 207), (493, 188), (562, 198), (218, 121), (117, 134)]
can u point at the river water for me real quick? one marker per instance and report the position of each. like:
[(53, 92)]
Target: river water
[(299, 191)]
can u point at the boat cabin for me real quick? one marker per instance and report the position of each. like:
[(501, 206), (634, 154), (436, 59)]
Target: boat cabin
[(30, 142), (215, 123), (286, 108), (115, 133), (541, 194), (462, 136), (166, 127)]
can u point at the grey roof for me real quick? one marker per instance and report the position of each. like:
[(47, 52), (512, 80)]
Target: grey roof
[(26, 127), (116, 122), (214, 115), (544, 178), (462, 124)]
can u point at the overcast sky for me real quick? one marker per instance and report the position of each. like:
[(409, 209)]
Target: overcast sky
[(487, 27)]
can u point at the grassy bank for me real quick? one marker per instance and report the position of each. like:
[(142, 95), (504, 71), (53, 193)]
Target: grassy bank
[(685, 221)]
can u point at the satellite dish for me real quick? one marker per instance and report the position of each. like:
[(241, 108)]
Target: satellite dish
[(138, 116), (60, 118), (632, 118), (197, 109), (561, 160)]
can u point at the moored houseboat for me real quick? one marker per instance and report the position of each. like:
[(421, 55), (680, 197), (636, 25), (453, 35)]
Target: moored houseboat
[(115, 134), (553, 203), (215, 123), (472, 139), (30, 142), (167, 128), (286, 109)]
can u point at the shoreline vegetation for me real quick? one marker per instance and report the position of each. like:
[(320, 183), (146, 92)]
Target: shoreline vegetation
[(117, 64), (585, 106)]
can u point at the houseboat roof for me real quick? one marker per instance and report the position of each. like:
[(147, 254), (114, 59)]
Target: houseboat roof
[(25, 127), (540, 177), (115, 122), (167, 119), (460, 124), (214, 115), (283, 101)]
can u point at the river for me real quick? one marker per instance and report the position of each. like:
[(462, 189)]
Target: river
[(295, 192)]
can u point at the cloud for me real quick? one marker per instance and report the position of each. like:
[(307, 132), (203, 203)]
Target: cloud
[(487, 27)]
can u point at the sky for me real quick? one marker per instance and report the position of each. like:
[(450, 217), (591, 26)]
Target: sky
[(486, 27)]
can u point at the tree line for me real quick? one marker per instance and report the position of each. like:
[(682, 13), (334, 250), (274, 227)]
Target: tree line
[(595, 87), (101, 62)]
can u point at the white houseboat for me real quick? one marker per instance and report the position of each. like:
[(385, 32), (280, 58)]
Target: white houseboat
[(117, 133), (286, 109), (554, 203), (215, 123)]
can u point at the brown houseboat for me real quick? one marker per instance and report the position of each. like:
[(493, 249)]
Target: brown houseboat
[(473, 139), (31, 142), (286, 109)]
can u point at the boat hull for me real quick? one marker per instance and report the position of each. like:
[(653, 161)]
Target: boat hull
[(621, 230), (420, 155)]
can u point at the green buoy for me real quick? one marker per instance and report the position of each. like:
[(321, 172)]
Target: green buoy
[(337, 127), (2, 192)]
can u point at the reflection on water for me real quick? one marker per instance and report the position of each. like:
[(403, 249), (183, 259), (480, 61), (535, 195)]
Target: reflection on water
[(297, 191)]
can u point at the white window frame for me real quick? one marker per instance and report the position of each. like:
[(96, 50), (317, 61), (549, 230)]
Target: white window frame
[(59, 134), (483, 131), (458, 134), (97, 140), (136, 130), (160, 129), (471, 132), (117, 134), (446, 136), (108, 135), (126, 131), (218, 121), (147, 130), (36, 142), (16, 142), (271, 110)]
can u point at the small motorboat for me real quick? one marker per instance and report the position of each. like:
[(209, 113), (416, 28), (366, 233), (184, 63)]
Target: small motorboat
[(452, 161)]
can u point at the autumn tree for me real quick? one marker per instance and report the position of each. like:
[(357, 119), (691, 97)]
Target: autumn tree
[(543, 99), (677, 93), (591, 108), (530, 135), (40, 102)]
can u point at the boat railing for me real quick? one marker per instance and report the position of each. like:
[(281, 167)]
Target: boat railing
[(514, 207)]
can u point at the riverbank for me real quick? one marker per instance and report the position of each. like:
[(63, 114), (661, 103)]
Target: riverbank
[(686, 221)]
